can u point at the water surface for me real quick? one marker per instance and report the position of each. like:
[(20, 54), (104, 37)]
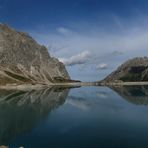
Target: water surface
[(85, 117)]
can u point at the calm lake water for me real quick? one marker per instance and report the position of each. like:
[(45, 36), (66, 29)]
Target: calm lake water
[(85, 117)]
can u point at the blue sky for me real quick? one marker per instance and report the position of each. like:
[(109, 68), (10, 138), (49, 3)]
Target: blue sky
[(92, 37)]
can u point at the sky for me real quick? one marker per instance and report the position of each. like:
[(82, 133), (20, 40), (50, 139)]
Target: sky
[(91, 37)]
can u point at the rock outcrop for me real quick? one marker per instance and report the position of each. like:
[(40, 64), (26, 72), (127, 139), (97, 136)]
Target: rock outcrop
[(23, 60), (133, 70)]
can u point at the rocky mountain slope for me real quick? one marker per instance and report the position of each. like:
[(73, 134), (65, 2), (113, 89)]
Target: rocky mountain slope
[(133, 70), (23, 60)]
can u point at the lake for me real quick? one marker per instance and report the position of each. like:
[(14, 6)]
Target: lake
[(84, 117)]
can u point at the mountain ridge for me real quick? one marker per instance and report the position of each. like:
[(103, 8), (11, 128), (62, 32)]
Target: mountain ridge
[(23, 60), (133, 70)]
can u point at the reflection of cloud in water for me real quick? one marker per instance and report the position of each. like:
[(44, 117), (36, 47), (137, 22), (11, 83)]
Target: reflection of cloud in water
[(78, 102), (20, 111), (93, 99), (102, 95)]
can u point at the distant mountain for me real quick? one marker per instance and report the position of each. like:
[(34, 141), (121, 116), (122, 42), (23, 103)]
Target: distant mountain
[(23, 60), (133, 70)]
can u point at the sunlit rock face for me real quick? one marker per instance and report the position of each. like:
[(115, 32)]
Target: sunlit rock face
[(131, 71), (23, 60), (20, 111)]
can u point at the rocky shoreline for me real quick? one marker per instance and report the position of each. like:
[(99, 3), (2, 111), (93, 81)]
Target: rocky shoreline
[(123, 84), (74, 84), (42, 86)]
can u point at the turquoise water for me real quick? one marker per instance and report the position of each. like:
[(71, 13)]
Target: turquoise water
[(85, 117)]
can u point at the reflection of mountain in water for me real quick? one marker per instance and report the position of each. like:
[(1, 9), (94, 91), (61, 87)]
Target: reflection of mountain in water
[(20, 111), (134, 94)]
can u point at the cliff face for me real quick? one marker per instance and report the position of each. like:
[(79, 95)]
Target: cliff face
[(23, 60), (133, 70)]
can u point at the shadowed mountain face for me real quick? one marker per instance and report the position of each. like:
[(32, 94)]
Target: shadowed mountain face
[(20, 111), (131, 71), (23, 60), (135, 94)]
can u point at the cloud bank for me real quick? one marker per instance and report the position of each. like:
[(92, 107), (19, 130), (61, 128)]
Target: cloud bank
[(63, 30), (102, 66), (81, 58), (92, 48)]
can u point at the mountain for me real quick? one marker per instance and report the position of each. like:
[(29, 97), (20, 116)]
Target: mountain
[(23, 60), (134, 70)]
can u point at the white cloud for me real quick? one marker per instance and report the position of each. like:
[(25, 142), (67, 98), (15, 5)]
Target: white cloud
[(63, 30), (102, 66), (112, 46), (81, 58), (116, 52)]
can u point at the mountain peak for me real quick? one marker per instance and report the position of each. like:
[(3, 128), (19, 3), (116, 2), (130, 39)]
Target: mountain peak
[(22, 59), (133, 70)]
